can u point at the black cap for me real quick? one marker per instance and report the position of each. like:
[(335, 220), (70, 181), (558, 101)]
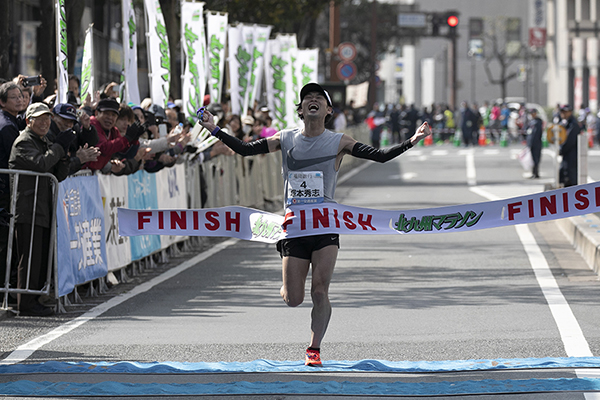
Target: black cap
[(315, 87), (566, 107), (66, 110), (108, 104)]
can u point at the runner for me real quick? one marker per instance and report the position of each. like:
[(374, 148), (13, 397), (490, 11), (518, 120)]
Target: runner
[(317, 153)]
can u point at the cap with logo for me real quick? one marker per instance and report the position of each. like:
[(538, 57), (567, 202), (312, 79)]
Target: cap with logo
[(37, 109), (566, 107), (315, 87), (108, 104), (65, 110)]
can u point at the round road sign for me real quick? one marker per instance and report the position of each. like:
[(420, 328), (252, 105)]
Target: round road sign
[(560, 131), (347, 51), (346, 71)]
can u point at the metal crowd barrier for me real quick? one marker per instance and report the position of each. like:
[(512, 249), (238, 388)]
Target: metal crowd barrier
[(52, 262)]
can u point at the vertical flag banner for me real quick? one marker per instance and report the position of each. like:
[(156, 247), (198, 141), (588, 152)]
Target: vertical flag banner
[(159, 56), (537, 23), (240, 43), (261, 35), (307, 66), (193, 42), (87, 66), (131, 91), (293, 95), (61, 52), (216, 36), (275, 70)]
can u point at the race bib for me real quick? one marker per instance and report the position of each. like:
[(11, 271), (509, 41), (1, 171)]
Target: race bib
[(305, 187)]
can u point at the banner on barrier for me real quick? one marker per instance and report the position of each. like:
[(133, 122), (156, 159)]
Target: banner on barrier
[(80, 232), (249, 224), (141, 194), (172, 195)]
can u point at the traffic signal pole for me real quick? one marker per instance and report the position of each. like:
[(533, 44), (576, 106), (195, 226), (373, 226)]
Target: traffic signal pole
[(452, 72)]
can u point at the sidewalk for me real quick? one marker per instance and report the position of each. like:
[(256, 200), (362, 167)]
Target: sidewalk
[(583, 232)]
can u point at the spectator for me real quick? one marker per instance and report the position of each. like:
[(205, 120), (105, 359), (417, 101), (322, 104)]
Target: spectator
[(32, 151), (73, 94), (172, 117), (534, 141), (234, 126), (247, 124), (11, 101), (468, 125), (82, 149), (339, 120), (109, 90), (110, 140), (568, 150)]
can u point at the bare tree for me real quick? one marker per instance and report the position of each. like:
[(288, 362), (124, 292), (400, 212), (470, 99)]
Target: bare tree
[(502, 52)]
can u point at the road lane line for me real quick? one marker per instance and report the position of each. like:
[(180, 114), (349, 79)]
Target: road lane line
[(575, 343), (24, 351), (471, 174)]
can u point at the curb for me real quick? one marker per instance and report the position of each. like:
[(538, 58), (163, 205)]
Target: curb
[(583, 232)]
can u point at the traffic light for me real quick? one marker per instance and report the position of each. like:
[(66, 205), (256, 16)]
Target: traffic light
[(452, 23)]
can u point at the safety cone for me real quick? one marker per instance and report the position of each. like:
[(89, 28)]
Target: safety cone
[(590, 138), (503, 139), (482, 137), (457, 138), (428, 141)]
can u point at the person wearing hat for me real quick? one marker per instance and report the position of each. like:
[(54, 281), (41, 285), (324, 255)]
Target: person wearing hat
[(568, 150), (82, 149), (110, 140), (534, 140), (32, 151), (317, 152)]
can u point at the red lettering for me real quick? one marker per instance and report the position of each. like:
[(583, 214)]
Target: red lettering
[(347, 216), (320, 218), (178, 219), (566, 202), (548, 204), (302, 220), (161, 220), (335, 217), (365, 223), (211, 216), (196, 223), (513, 208), (530, 206), (229, 221), (584, 202), (143, 217), (287, 221)]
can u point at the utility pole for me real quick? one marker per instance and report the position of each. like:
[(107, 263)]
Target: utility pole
[(372, 82), (334, 39)]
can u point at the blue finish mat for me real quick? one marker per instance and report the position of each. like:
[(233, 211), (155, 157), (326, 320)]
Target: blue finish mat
[(116, 389), (298, 366)]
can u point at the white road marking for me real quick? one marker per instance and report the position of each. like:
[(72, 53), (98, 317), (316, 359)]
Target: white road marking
[(471, 173), (24, 351), (575, 343)]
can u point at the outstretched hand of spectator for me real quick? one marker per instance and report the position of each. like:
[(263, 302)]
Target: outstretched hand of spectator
[(166, 159), (116, 166), (87, 154), (39, 90), (134, 132), (84, 119), (143, 154)]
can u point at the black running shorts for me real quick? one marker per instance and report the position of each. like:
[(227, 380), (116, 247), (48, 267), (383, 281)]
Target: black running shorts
[(302, 247)]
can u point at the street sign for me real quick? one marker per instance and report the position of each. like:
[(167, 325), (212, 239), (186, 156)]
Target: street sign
[(558, 131), (412, 20), (347, 51), (346, 71)]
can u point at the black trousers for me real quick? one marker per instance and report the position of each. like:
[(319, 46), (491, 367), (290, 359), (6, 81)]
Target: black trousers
[(39, 261)]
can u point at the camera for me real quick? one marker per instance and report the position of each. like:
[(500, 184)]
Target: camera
[(32, 81)]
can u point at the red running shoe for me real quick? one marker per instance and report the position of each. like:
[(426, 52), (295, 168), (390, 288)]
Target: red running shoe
[(313, 358)]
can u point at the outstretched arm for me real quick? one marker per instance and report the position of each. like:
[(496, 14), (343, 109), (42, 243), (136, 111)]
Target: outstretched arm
[(365, 151), (261, 146)]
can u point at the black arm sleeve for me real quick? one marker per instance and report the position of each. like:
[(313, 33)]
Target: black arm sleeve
[(244, 148), (380, 155)]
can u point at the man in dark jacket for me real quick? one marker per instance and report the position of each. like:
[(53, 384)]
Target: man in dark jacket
[(568, 150), (32, 151), (11, 101), (534, 141), (82, 149)]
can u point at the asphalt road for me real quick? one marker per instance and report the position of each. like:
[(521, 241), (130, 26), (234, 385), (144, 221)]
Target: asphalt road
[(438, 297)]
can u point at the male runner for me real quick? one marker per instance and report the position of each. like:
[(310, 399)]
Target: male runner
[(318, 153)]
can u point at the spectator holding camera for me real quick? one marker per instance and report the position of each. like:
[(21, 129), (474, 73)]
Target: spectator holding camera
[(82, 149), (110, 140), (32, 151)]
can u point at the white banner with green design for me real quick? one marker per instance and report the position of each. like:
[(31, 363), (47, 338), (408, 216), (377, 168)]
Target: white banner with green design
[(131, 92), (193, 42), (261, 36), (62, 61), (216, 37), (87, 66), (159, 57), (307, 66), (279, 82)]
